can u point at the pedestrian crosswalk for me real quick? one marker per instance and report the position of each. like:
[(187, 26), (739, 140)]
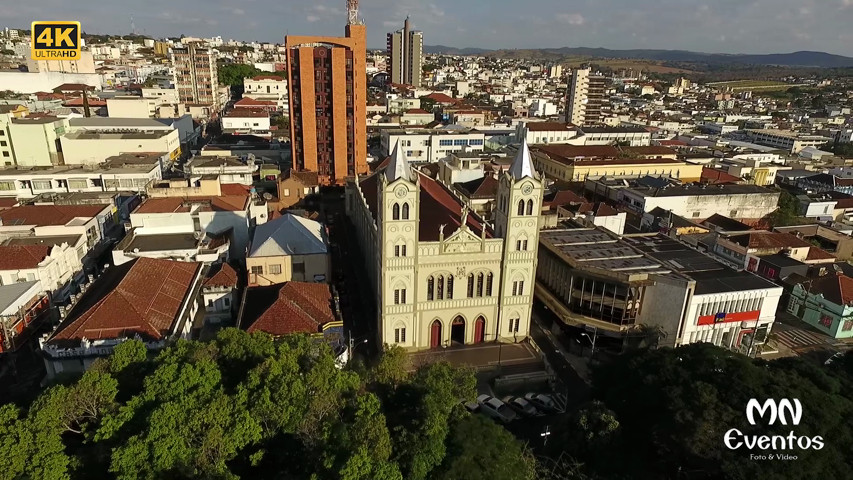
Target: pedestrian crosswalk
[(796, 338)]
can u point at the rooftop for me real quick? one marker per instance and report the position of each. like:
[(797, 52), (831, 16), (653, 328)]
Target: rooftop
[(701, 190), (549, 127), (229, 203), (22, 257), (44, 215), (293, 307), (289, 235), (143, 296), (116, 122)]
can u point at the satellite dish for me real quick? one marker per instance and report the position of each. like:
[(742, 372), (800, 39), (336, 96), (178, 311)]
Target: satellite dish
[(267, 196)]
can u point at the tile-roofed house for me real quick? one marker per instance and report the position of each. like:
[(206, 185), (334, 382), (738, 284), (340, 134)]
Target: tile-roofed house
[(22, 257), (824, 302), (442, 98), (221, 275), (290, 308), (293, 186), (152, 299), (715, 176), (44, 215)]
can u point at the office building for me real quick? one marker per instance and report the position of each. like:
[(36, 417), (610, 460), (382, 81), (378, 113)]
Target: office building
[(584, 98), (195, 75), (327, 85), (405, 55)]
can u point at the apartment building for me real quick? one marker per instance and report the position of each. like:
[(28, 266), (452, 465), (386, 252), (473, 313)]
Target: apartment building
[(584, 98), (786, 139), (405, 55), (431, 145), (327, 85), (195, 75)]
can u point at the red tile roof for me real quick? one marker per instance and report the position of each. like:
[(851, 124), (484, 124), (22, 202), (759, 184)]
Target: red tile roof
[(8, 202), (145, 297), (229, 203), (21, 257), (222, 275), (564, 197), (418, 111), (247, 102), (437, 207), (714, 176), (816, 253), (763, 240), (441, 98), (568, 153), (246, 113), (836, 288), (299, 308), (237, 189), (44, 215)]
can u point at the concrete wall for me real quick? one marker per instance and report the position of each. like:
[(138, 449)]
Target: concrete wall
[(78, 151), (315, 266)]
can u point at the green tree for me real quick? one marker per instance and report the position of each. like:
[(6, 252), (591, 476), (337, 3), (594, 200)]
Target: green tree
[(232, 74), (478, 449)]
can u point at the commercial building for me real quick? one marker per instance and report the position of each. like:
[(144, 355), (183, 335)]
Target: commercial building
[(584, 98), (574, 163), (535, 133), (24, 308), (34, 141), (327, 84), (228, 169), (786, 139), (243, 121), (431, 145), (745, 203), (825, 302), (196, 76), (84, 148), (405, 55), (440, 275)]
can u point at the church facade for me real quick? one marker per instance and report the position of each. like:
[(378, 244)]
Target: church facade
[(441, 275)]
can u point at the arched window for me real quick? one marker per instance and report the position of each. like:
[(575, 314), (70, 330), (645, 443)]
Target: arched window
[(450, 287), (470, 285), (405, 211), (480, 284), (395, 212), (489, 279), (521, 207), (530, 207), (430, 287), (439, 295)]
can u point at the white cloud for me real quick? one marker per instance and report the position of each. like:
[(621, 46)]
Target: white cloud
[(570, 18), (312, 18)]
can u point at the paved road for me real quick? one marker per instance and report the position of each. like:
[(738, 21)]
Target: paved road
[(570, 369)]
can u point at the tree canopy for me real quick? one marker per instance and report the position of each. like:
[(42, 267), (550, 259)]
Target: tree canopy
[(248, 406), (663, 414), (232, 74)]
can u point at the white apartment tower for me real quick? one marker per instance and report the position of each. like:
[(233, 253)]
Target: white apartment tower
[(584, 98), (405, 55), (195, 75)]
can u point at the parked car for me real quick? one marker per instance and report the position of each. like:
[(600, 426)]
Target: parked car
[(541, 401), (521, 406), (496, 409), (472, 407)]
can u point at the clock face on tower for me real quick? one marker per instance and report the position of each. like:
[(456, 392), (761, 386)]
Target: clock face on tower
[(527, 189), (401, 191)]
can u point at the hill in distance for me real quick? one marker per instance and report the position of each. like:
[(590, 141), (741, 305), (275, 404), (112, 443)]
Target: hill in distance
[(794, 59)]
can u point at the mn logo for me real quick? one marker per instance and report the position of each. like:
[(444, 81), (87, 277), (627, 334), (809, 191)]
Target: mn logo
[(56, 41)]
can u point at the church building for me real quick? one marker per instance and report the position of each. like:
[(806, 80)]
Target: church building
[(442, 275)]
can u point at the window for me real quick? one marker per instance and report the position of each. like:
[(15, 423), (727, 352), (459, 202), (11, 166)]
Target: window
[(299, 268), (405, 211), (430, 288), (400, 335), (480, 284), (475, 142), (696, 214), (530, 207), (489, 278), (286, 192), (399, 296), (257, 270), (518, 287), (514, 324), (521, 207), (395, 212), (5, 154), (226, 301), (42, 184), (8, 185), (78, 183), (450, 287), (460, 143), (470, 285), (733, 214), (275, 269), (445, 143), (2, 143), (399, 250), (209, 303)]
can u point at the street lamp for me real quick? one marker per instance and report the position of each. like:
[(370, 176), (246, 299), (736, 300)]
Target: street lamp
[(592, 340)]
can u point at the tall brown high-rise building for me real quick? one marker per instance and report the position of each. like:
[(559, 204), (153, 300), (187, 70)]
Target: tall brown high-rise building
[(328, 97)]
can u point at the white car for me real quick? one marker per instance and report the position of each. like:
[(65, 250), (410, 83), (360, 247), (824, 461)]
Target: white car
[(496, 409), (541, 401), (521, 406)]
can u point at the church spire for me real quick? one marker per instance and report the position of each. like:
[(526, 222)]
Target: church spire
[(522, 166), (398, 167)]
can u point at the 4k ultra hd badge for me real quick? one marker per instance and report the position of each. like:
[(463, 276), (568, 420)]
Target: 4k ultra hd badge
[(56, 41)]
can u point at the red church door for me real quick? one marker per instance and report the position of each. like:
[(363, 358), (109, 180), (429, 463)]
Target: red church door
[(479, 330), (435, 335)]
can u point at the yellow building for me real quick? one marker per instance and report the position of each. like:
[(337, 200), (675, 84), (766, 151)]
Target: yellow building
[(289, 248), (573, 163)]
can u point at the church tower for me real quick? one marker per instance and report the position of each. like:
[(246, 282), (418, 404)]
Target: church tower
[(398, 212), (519, 201)]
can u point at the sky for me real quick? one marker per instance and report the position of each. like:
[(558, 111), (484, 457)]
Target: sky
[(716, 26)]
